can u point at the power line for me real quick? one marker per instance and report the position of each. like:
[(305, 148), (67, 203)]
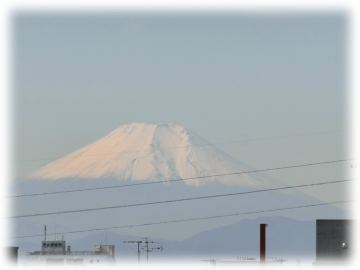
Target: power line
[(177, 200), (190, 219), (197, 145), (175, 180)]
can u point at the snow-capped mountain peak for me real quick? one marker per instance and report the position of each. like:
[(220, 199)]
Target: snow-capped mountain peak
[(151, 152)]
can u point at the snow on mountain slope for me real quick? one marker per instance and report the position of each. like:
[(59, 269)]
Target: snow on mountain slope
[(152, 152)]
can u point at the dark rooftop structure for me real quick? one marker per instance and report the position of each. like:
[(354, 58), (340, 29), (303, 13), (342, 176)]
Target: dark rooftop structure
[(8, 256), (334, 244)]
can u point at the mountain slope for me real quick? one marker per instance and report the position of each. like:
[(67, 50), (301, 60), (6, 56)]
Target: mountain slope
[(152, 152)]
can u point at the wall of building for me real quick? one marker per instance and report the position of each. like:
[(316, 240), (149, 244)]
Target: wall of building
[(9, 256), (105, 249), (53, 246), (68, 260), (331, 234)]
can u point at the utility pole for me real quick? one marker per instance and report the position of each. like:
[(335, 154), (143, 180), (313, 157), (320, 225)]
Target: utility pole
[(148, 249), (138, 243)]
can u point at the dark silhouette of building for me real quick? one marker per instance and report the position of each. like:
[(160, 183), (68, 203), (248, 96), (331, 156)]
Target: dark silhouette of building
[(334, 244), (8, 256)]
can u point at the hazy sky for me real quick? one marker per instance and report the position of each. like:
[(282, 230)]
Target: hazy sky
[(225, 77)]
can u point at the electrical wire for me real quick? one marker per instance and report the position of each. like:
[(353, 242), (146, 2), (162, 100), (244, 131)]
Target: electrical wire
[(177, 200), (175, 180), (185, 220), (198, 145)]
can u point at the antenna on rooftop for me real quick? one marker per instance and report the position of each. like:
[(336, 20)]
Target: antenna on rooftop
[(45, 232), (55, 232)]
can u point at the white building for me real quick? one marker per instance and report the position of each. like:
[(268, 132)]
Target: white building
[(54, 252), (241, 262)]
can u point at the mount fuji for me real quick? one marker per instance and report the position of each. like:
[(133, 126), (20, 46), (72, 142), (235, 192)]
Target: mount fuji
[(153, 152), (143, 153)]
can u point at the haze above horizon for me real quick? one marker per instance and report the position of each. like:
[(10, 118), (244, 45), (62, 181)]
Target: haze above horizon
[(226, 77)]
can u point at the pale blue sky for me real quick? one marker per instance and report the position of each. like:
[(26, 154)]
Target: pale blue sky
[(225, 77)]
